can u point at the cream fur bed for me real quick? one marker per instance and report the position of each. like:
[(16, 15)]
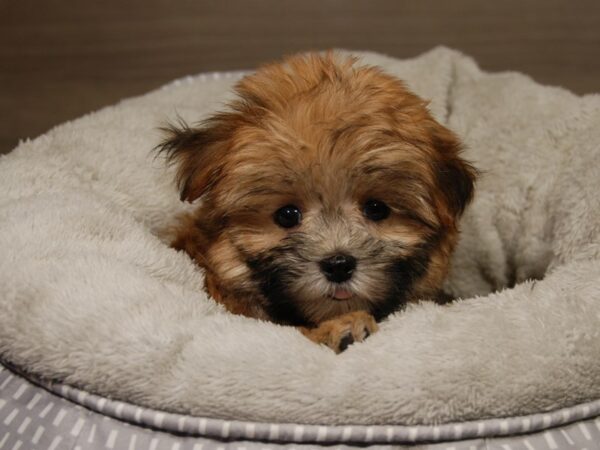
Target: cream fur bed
[(90, 296)]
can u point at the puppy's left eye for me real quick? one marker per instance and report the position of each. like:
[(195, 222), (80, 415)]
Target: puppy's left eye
[(288, 216), (376, 210)]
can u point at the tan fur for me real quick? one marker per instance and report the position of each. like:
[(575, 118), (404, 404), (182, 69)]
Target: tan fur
[(325, 135), (342, 331)]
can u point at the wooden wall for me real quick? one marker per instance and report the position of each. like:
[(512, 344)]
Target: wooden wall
[(62, 58)]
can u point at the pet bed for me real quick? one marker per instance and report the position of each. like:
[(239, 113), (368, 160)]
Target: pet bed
[(107, 340)]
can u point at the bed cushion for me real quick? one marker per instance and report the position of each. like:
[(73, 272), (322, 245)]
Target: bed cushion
[(90, 296), (52, 416)]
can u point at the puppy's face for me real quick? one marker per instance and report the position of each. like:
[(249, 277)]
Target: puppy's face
[(326, 188)]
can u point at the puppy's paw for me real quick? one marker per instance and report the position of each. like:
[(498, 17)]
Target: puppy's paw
[(342, 331)]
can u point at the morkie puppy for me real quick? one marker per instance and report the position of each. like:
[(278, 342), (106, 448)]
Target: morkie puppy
[(329, 197)]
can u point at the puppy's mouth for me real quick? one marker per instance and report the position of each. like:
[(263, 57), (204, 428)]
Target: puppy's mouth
[(341, 294)]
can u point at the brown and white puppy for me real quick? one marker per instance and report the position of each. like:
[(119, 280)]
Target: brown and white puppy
[(329, 197)]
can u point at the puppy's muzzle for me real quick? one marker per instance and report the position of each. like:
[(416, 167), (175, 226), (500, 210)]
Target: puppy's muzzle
[(338, 268)]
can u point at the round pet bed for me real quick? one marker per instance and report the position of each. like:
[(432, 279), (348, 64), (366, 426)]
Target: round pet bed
[(108, 341)]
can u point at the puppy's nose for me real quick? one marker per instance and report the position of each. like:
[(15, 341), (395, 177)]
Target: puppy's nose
[(338, 268)]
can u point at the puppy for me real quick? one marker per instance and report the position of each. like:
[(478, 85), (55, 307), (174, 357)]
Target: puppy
[(329, 197)]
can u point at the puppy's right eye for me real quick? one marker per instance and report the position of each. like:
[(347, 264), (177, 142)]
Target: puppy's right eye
[(376, 210), (288, 216)]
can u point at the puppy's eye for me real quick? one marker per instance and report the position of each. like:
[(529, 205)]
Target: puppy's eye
[(375, 210), (288, 216)]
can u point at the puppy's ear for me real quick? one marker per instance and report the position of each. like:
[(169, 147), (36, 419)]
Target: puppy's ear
[(456, 177), (197, 154)]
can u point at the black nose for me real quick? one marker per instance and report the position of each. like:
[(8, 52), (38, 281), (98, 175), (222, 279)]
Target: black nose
[(338, 268)]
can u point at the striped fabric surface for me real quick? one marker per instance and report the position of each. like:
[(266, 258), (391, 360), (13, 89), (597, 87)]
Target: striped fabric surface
[(60, 417)]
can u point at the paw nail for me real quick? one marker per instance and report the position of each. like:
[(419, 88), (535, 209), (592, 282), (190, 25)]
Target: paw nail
[(345, 342)]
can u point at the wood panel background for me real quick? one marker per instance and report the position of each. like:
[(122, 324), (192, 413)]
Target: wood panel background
[(62, 58)]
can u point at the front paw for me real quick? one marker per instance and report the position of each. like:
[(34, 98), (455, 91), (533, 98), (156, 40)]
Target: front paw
[(340, 332)]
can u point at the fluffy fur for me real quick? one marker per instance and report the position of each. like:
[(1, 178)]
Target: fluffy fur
[(327, 135), (90, 296)]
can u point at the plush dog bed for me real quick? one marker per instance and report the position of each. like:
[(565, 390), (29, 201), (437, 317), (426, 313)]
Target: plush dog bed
[(92, 299)]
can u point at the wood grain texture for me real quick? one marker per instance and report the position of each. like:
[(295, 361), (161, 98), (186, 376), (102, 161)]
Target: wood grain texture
[(61, 59)]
